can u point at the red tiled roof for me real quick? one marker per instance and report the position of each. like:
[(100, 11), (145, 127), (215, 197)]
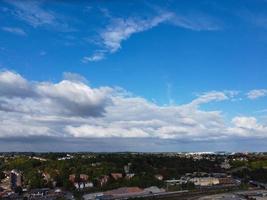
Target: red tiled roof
[(116, 175)]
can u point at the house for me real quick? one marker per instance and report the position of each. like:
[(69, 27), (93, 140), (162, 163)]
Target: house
[(82, 185), (37, 193), (159, 177), (129, 176), (103, 180), (68, 157), (116, 176), (15, 179), (84, 177), (172, 182), (225, 164), (88, 185), (46, 176), (72, 178), (127, 168), (96, 164), (39, 158)]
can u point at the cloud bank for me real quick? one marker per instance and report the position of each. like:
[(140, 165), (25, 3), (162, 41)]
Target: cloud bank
[(72, 108)]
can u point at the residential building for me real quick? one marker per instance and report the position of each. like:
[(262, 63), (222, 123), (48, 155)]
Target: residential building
[(116, 176), (15, 179), (84, 177), (72, 178), (103, 180), (159, 177), (129, 176)]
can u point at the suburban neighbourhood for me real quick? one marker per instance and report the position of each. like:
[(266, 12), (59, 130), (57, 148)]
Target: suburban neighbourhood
[(127, 175)]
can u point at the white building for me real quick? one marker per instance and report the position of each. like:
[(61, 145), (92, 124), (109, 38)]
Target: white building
[(205, 181)]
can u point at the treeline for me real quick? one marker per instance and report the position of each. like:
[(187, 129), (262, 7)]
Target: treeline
[(247, 174)]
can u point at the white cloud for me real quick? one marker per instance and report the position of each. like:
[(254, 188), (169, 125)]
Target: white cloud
[(75, 97), (110, 131), (66, 97), (14, 30), (120, 29), (94, 58), (248, 127), (71, 108), (254, 94), (12, 84), (208, 97), (13, 128), (33, 13), (245, 122), (195, 23), (74, 77)]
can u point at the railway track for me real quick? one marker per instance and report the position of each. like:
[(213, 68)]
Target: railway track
[(183, 195)]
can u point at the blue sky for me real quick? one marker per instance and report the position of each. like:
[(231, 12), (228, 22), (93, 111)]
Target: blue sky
[(169, 71)]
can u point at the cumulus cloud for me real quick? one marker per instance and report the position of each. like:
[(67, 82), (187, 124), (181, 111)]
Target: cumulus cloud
[(75, 97), (73, 109), (12, 85), (248, 126), (120, 29), (254, 94), (66, 97), (14, 30)]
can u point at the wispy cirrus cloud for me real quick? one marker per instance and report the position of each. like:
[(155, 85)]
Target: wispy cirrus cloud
[(33, 13), (258, 18), (14, 30), (115, 31), (257, 93), (120, 29), (97, 56), (195, 22), (210, 96)]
